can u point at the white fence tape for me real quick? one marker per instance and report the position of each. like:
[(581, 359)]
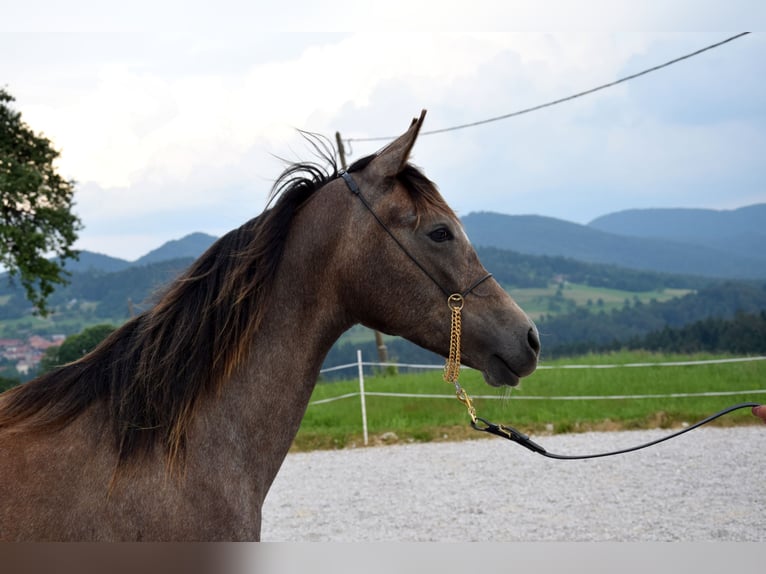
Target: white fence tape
[(666, 364), (543, 367), (545, 398), (362, 393)]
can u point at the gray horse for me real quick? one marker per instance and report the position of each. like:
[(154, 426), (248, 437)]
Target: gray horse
[(176, 425)]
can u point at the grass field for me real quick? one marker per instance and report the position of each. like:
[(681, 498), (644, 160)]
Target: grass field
[(533, 406), (539, 301)]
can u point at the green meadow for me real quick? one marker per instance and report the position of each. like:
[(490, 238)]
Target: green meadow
[(555, 299), (555, 399)]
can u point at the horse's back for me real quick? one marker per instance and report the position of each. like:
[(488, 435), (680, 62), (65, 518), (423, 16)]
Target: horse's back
[(66, 486), (49, 482)]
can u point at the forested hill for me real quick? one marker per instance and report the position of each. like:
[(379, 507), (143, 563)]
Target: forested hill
[(735, 231), (700, 242), (109, 295), (97, 296), (583, 330), (517, 270), (192, 245), (189, 246), (710, 253), (726, 317)]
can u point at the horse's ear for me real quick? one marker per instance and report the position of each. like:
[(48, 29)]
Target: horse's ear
[(390, 160)]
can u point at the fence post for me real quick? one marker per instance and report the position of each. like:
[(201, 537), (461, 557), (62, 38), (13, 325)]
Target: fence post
[(361, 394)]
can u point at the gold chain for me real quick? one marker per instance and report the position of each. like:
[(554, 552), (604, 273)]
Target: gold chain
[(452, 366)]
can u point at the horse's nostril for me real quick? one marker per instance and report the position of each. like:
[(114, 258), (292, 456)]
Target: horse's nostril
[(534, 340)]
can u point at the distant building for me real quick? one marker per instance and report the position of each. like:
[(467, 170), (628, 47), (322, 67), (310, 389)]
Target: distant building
[(40, 344), (10, 343), (27, 354)]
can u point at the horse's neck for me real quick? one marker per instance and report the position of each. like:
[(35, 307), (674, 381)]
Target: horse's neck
[(260, 409)]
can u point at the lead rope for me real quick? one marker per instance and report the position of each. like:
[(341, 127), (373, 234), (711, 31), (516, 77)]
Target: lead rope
[(452, 373)]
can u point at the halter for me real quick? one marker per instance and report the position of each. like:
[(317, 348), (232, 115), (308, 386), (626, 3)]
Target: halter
[(455, 302)]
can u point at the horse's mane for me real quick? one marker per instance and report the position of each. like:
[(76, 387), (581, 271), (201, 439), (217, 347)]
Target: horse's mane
[(150, 373)]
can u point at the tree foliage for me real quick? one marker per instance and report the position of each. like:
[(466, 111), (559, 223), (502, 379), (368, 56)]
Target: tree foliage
[(8, 383), (583, 331), (744, 334), (518, 270), (37, 226), (74, 347), (94, 295)]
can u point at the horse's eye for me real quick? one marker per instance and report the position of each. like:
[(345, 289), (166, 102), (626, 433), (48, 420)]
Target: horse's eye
[(440, 235)]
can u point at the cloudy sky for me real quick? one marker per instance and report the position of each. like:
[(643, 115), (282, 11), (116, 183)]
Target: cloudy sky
[(169, 115)]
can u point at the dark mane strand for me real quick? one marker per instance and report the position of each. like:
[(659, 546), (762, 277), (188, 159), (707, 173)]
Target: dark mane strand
[(151, 372)]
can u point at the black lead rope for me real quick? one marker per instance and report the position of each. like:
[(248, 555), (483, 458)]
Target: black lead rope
[(519, 437)]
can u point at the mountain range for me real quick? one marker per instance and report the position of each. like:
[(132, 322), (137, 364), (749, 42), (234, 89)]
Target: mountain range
[(704, 242), (192, 245)]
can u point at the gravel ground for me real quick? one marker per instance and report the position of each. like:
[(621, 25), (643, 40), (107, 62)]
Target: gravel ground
[(707, 485)]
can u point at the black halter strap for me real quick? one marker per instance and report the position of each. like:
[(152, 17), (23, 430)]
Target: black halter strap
[(358, 192)]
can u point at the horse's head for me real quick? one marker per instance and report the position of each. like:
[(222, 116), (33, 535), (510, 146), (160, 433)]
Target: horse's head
[(407, 252)]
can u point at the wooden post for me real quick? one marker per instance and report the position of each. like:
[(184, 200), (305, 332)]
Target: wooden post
[(341, 150), (361, 394), (382, 349)]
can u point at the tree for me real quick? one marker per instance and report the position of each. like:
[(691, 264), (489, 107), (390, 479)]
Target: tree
[(74, 347), (37, 226), (8, 383)]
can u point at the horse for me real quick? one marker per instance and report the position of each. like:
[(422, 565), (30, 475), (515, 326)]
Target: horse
[(175, 426)]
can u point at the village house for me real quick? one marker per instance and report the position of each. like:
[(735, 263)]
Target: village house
[(25, 355)]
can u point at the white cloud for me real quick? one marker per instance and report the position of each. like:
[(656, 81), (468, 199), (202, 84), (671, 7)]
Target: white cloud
[(172, 132), (134, 121)]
